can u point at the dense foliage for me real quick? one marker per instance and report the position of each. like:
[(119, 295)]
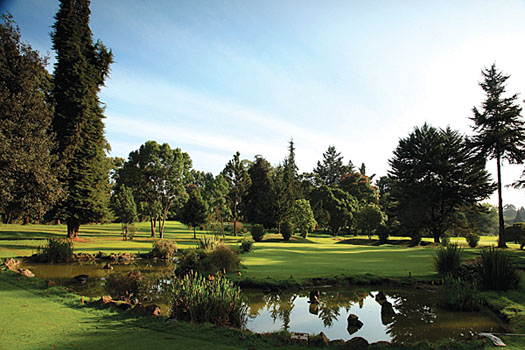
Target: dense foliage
[(497, 271), (163, 248), (80, 71), (195, 211)]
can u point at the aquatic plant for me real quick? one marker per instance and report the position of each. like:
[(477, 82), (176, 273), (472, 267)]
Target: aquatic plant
[(57, 250), (458, 295), (497, 271), (208, 242), (448, 259), (211, 299)]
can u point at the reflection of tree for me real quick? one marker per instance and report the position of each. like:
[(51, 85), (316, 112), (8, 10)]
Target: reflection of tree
[(413, 312), (331, 302), (280, 307)]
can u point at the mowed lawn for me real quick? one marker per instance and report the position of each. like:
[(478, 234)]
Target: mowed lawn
[(319, 255)]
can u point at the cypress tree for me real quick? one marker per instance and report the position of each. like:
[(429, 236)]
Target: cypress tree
[(80, 71)]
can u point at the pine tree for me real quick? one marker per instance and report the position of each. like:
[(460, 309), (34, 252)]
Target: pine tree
[(28, 181), (236, 175), (80, 71), (332, 169), (500, 130), (258, 202)]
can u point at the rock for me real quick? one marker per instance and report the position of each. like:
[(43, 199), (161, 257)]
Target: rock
[(314, 309), (106, 299), (11, 264), (142, 309), (357, 343), (134, 301), (314, 297), (26, 272), (325, 339), (108, 267), (381, 343), (50, 283), (387, 309), (353, 320), (380, 297), (81, 278), (124, 306), (337, 341)]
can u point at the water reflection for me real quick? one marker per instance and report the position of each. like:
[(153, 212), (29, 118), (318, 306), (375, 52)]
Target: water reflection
[(415, 318)]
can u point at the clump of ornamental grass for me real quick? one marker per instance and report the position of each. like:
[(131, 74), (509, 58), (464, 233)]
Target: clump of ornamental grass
[(496, 270), (448, 259), (457, 294), (56, 250), (214, 299)]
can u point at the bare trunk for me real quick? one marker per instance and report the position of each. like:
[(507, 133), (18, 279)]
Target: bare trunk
[(501, 240), (235, 227), (194, 233), (72, 228), (436, 238), (161, 228), (153, 223), (57, 222)]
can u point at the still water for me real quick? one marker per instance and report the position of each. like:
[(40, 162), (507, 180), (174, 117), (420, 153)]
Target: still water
[(416, 317)]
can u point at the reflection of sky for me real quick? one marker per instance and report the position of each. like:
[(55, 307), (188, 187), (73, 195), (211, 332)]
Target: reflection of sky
[(415, 320)]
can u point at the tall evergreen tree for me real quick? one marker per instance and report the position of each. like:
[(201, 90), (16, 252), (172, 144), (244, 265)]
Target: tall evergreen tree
[(500, 130), (80, 71), (332, 169), (258, 202), (28, 181), (195, 211)]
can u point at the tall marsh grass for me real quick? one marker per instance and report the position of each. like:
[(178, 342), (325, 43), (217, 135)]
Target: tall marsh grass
[(497, 271), (211, 299), (448, 259)]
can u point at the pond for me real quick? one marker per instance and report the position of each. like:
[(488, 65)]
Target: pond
[(416, 318)]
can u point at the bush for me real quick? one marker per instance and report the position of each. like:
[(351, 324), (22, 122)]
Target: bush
[(445, 239), (125, 284), (57, 250), (164, 249), (516, 233), (246, 245), (214, 299), (222, 258), (448, 259), (415, 239), (287, 230), (497, 270), (472, 239), (190, 260), (382, 234), (258, 232), (458, 295), (208, 243)]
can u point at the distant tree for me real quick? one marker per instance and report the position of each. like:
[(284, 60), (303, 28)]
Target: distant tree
[(158, 176), (335, 206), (217, 203), (125, 209), (509, 212), (500, 130), (369, 218), (520, 215), (80, 70), (290, 176), (435, 172), (194, 212), (480, 219), (359, 186), (331, 170), (28, 170), (236, 175), (258, 201), (302, 217)]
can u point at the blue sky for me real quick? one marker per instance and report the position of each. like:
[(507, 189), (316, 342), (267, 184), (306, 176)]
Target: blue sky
[(214, 77)]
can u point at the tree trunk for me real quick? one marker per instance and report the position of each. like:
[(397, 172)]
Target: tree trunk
[(161, 228), (436, 238), (153, 223), (501, 240), (57, 222), (194, 233), (72, 228), (235, 226)]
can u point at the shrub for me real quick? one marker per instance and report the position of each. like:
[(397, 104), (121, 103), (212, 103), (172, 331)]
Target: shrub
[(287, 230), (448, 259), (458, 295), (445, 239), (240, 227), (164, 249), (208, 243), (516, 233), (222, 258), (57, 250), (382, 234), (190, 260), (415, 239), (246, 245), (214, 299), (472, 239), (258, 232), (496, 270)]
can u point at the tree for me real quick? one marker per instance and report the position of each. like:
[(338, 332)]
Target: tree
[(434, 172), (500, 130), (218, 203), (28, 180), (195, 210), (520, 215), (158, 176), (125, 209), (333, 206), (481, 219), (369, 218), (80, 71), (258, 201), (359, 186), (236, 175), (303, 217), (332, 169), (509, 212)]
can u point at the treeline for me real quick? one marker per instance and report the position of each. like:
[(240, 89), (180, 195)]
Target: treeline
[(54, 164)]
